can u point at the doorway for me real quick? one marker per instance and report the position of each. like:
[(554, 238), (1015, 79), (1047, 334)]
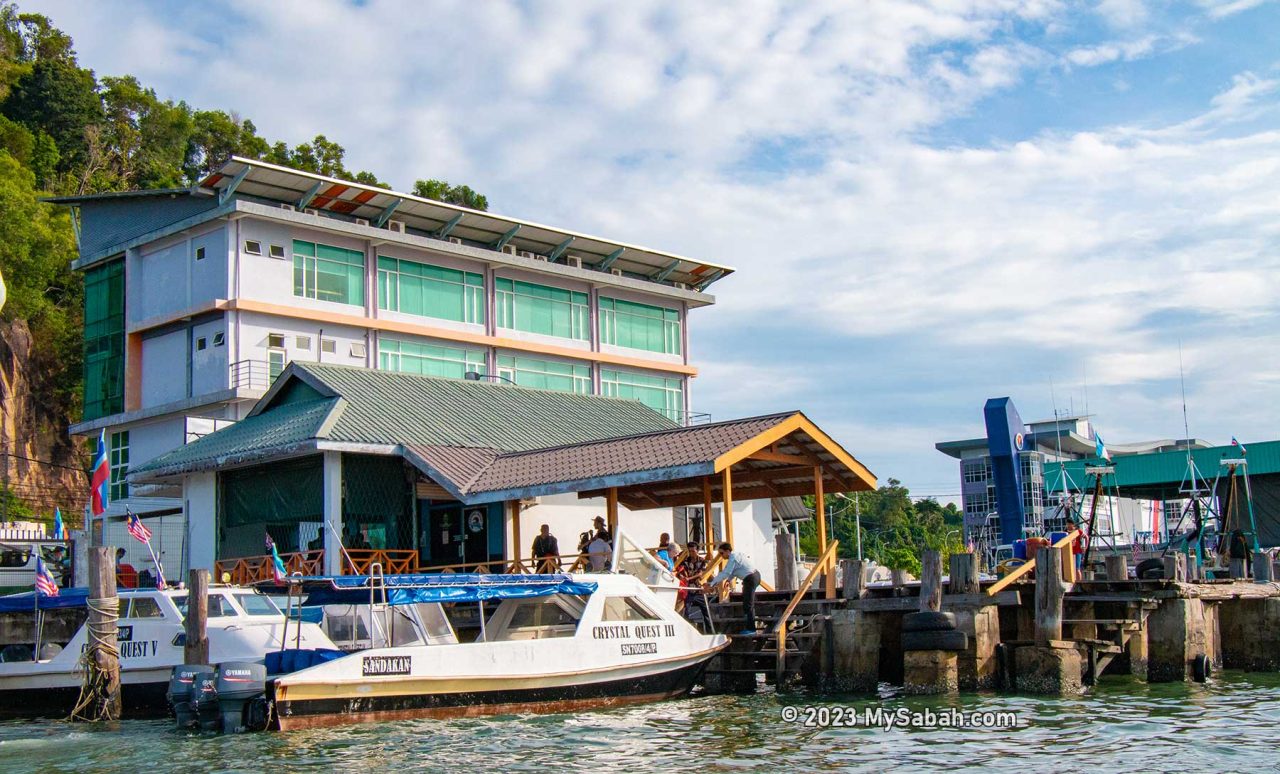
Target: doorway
[(457, 534)]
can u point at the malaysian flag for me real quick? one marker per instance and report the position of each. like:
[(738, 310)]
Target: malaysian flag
[(137, 528), (46, 586)]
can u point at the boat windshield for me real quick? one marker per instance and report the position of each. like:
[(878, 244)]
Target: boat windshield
[(219, 607), (257, 604)]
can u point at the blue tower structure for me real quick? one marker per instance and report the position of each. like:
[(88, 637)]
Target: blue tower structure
[(1005, 439)]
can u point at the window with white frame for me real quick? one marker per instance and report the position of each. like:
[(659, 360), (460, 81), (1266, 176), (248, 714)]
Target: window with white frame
[(119, 465)]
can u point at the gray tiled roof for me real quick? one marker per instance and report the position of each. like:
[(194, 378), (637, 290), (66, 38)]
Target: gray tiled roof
[(680, 447)]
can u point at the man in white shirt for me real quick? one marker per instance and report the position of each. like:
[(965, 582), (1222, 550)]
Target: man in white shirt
[(598, 553), (737, 565)]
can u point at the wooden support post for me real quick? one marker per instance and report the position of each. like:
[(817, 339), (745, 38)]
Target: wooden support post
[(1117, 567), (517, 550), (855, 578), (1175, 567), (101, 698), (931, 582), (196, 650), (820, 509), (611, 504), (1067, 563), (726, 500), (707, 532), (1236, 568), (785, 553), (964, 573), (1050, 591)]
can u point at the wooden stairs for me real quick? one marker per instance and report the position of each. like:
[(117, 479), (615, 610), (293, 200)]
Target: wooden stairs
[(748, 656), (1104, 638)]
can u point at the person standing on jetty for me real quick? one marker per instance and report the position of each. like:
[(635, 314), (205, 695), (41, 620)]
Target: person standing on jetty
[(737, 565), (1080, 544), (546, 550)]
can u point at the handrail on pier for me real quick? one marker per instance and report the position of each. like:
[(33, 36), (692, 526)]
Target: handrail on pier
[(826, 563), (1068, 566)]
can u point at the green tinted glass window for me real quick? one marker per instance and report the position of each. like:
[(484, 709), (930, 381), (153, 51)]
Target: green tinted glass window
[(413, 357), (430, 291), (104, 340), (640, 326), (524, 306), (543, 374), (328, 273), (663, 394)]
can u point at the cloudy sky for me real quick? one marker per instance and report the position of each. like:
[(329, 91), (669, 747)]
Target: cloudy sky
[(927, 204)]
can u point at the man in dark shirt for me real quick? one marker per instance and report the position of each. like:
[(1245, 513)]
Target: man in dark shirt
[(546, 550)]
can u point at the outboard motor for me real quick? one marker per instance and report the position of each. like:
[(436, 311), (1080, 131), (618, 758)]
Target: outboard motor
[(179, 693), (204, 699), (238, 683)]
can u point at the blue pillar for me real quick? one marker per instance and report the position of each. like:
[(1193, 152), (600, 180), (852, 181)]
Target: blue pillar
[(1005, 439)]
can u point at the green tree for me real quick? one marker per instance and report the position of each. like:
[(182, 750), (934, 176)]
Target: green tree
[(216, 136), (442, 191), (60, 99)]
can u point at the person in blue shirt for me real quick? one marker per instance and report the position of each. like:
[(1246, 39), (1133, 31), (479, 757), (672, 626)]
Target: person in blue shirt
[(665, 554), (737, 565)]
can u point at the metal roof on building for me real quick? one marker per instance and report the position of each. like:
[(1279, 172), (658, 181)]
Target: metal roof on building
[(380, 206), (1161, 475), (486, 442)]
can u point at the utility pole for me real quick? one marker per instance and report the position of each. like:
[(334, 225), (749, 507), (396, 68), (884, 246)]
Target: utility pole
[(857, 521)]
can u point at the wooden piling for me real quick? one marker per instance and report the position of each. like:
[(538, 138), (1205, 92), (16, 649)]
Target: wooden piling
[(1263, 569), (964, 573), (785, 549), (1050, 591), (196, 650), (1117, 567), (1175, 567), (100, 694), (931, 581), (854, 583)]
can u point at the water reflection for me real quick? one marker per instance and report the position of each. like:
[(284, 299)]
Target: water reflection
[(1124, 725)]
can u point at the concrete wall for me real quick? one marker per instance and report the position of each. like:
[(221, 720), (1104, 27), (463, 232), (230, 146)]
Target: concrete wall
[(164, 368), (254, 329)]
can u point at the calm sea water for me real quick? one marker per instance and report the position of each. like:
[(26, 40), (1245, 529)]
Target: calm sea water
[(1230, 724)]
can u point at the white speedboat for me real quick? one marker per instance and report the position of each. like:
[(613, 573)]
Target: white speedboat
[(552, 643), (243, 625)]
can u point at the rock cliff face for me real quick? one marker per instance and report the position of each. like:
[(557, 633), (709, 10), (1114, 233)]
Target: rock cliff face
[(39, 462)]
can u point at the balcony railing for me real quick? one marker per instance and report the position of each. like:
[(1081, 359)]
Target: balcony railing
[(250, 375)]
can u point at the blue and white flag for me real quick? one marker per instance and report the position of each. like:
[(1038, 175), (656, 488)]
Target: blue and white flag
[(1240, 446), (59, 531), (1101, 447)]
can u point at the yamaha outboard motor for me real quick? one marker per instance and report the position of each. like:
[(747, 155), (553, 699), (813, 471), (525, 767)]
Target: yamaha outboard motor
[(204, 699), (238, 683), (179, 693)]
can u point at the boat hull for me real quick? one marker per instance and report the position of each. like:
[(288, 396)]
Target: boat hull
[(138, 700), (520, 695)]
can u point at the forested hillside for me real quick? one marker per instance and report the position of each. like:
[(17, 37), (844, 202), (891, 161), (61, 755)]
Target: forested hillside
[(66, 130)]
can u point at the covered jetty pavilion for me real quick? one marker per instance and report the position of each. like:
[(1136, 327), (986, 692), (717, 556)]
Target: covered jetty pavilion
[(344, 467)]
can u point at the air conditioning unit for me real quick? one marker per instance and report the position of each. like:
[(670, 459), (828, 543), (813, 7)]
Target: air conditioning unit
[(616, 272), (680, 285), (312, 211), (455, 240), (362, 222), (510, 249), (529, 502), (396, 226), (536, 257), (285, 206), (574, 261)]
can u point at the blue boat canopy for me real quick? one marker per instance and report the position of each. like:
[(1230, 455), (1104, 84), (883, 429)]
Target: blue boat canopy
[(22, 603), (440, 587)]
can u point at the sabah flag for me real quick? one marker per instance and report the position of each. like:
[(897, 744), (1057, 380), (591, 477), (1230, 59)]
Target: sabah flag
[(59, 531), (1239, 446), (99, 477), (1101, 447)]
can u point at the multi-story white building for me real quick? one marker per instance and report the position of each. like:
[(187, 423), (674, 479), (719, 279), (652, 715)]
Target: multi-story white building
[(197, 299)]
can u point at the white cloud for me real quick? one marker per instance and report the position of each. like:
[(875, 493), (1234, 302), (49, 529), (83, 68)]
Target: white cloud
[(1218, 9), (796, 142)]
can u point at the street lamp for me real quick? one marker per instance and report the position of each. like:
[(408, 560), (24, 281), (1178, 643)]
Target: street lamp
[(475, 376), (857, 518)]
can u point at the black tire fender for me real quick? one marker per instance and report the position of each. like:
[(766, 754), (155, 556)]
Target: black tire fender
[(928, 621), (935, 640), (1201, 668)]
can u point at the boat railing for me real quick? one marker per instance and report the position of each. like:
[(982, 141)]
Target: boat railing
[(826, 563)]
